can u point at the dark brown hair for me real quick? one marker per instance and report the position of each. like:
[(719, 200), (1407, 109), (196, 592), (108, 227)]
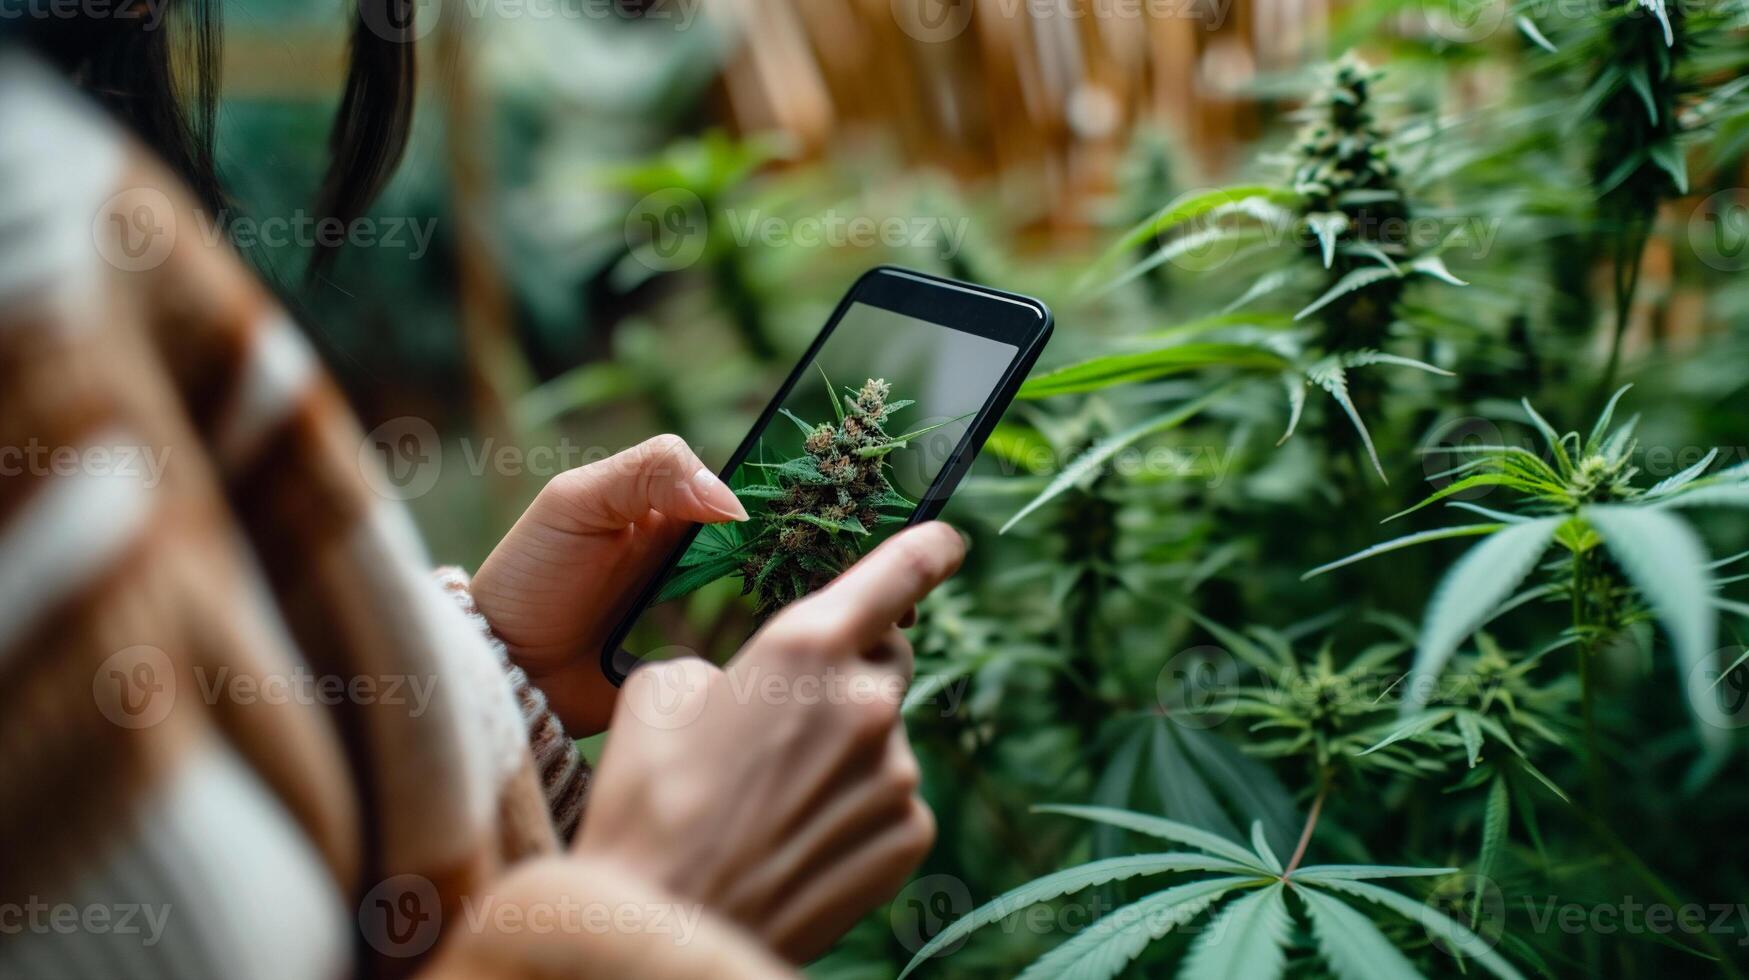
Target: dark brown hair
[(160, 78)]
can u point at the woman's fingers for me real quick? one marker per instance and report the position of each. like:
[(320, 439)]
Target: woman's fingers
[(861, 605), (660, 474), (858, 805), (812, 917)]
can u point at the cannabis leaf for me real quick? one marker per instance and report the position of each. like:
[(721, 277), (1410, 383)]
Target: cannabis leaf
[(1250, 935)]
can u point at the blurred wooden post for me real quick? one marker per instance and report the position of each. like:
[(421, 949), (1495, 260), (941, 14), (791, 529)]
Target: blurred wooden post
[(495, 367)]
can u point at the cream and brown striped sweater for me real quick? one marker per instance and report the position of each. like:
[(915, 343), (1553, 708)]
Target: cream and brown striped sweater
[(243, 731)]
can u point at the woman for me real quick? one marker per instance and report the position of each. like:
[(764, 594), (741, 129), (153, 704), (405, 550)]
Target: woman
[(244, 731)]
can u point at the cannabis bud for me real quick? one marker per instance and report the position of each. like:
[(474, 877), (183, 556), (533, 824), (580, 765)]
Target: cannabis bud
[(829, 499), (1341, 150)]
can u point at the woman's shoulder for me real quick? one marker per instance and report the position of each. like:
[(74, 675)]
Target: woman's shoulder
[(60, 160)]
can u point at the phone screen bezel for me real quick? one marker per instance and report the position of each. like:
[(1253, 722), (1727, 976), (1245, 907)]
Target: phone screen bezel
[(1009, 318)]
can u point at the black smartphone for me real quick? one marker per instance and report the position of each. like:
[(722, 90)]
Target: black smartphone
[(871, 431)]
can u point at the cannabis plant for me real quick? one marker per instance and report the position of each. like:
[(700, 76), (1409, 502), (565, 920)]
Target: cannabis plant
[(1626, 554), (813, 515), (1250, 935), (1342, 205)]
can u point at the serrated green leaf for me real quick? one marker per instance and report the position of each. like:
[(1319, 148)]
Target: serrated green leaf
[(1328, 227), (1470, 731), (1064, 883), (1526, 25), (1296, 404), (1353, 281), (1364, 872), (1495, 818), (1350, 943), (1594, 441), (1434, 266), (1140, 366), (1468, 593), (1455, 934), (1331, 377), (1096, 456), (1260, 844), (1170, 830), (1407, 541), (1103, 949), (1244, 942), (1184, 794), (1671, 484), (1664, 559), (1425, 722)]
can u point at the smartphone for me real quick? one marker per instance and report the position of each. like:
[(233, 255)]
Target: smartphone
[(871, 431)]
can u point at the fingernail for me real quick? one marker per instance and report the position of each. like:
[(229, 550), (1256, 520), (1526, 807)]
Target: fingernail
[(716, 495)]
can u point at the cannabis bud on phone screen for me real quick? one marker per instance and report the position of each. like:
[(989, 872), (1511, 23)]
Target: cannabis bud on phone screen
[(871, 431)]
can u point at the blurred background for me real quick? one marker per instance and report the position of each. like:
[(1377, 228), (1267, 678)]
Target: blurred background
[(770, 149)]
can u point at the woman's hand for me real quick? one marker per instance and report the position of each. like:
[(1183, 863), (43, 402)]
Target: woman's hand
[(551, 588), (780, 792)]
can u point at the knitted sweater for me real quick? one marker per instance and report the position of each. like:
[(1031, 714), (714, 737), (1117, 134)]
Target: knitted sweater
[(243, 732)]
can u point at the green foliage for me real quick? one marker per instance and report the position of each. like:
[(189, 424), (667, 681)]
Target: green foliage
[(1244, 357), (1628, 556), (1250, 934)]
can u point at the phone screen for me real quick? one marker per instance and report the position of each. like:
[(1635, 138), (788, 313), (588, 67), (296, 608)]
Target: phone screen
[(858, 440)]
